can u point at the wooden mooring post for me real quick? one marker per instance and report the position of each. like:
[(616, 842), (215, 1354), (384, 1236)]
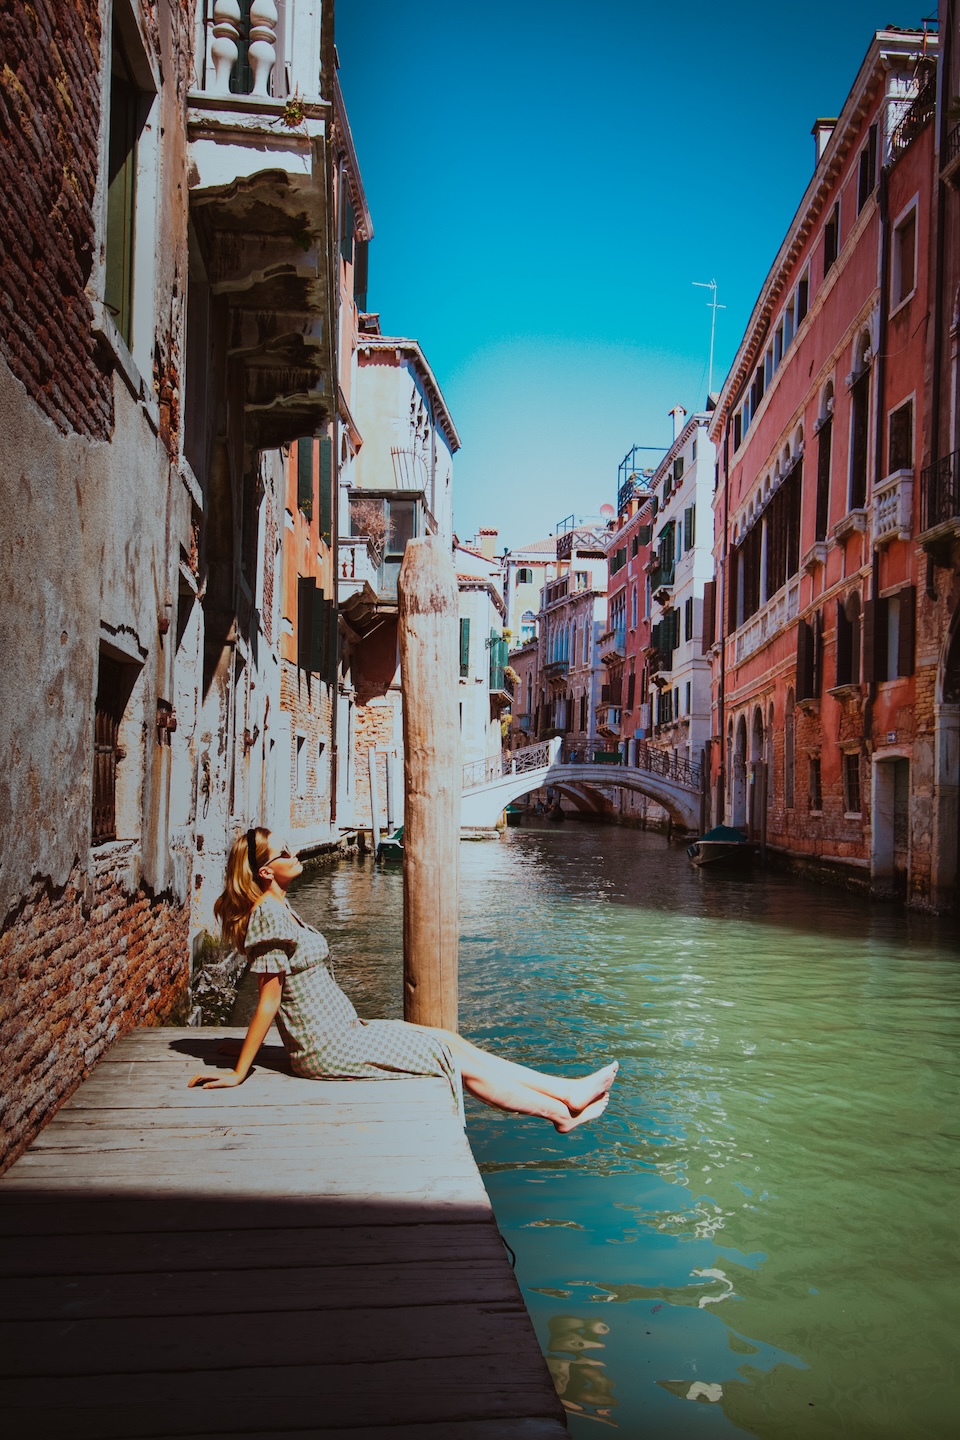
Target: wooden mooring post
[(432, 777)]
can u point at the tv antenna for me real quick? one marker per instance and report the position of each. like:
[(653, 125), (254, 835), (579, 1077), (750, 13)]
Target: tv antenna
[(710, 285)]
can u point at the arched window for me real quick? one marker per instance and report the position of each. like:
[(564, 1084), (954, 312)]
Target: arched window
[(525, 575), (860, 424), (824, 451)]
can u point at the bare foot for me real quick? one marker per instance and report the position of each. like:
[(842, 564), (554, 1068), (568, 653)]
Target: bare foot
[(581, 1093), (590, 1112)]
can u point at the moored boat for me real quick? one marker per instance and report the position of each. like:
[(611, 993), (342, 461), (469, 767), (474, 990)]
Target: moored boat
[(723, 845)]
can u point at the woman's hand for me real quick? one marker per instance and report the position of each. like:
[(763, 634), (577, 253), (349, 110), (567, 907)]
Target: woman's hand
[(216, 1082)]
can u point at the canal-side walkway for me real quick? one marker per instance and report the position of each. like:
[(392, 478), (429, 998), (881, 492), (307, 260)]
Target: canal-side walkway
[(288, 1258)]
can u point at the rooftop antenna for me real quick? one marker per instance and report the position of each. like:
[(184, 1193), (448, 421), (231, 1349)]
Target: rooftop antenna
[(710, 285)]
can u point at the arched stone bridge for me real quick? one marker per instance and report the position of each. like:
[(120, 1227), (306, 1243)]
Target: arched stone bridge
[(490, 786)]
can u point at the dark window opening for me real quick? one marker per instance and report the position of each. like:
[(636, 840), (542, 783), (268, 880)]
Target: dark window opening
[(127, 114), (824, 449), (860, 398), (831, 239), (900, 441), (867, 180)]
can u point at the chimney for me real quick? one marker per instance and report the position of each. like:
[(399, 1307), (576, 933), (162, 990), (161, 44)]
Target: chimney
[(823, 128), (678, 415), (488, 543)]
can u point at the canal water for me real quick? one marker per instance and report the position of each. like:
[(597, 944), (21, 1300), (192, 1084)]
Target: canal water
[(760, 1236)]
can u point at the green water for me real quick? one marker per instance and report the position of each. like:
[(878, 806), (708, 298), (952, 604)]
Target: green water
[(760, 1236)]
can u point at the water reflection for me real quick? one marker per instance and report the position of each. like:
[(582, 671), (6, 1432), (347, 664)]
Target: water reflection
[(582, 1382), (780, 1146)]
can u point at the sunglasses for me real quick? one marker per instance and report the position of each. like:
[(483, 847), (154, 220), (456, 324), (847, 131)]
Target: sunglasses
[(285, 854)]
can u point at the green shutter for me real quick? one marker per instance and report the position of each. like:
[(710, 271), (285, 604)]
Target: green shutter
[(332, 652), (318, 629), (644, 534), (121, 193), (464, 647), (305, 475), (306, 588), (326, 489)]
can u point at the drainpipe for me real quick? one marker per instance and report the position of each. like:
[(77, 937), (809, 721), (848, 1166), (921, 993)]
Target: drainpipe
[(883, 206)]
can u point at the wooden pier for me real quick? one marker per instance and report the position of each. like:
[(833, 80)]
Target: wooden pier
[(288, 1258)]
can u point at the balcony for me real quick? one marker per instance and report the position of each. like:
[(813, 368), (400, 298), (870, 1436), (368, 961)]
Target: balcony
[(258, 201), (919, 114), (940, 500), (608, 720), (611, 647), (556, 669), (950, 159), (893, 508), (763, 626), (358, 579), (501, 676), (584, 540)]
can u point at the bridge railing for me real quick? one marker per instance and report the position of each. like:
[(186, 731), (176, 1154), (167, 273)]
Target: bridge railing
[(514, 762), (670, 765)]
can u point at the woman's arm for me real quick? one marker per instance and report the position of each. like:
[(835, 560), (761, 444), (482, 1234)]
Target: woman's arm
[(271, 992)]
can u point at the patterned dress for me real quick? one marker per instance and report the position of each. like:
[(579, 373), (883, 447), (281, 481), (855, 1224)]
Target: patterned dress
[(323, 1034)]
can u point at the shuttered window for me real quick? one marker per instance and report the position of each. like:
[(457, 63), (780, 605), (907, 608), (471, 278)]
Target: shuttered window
[(860, 396), (464, 647), (709, 613), (106, 752), (326, 489), (125, 127), (824, 450), (305, 475)]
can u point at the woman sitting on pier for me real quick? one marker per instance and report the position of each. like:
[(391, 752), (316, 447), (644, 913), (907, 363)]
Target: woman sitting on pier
[(326, 1039)]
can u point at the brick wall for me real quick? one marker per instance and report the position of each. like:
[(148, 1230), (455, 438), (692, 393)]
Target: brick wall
[(78, 969), (310, 711), (49, 137)]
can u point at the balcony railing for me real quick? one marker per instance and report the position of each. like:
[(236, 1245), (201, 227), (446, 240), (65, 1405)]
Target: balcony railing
[(556, 669), (950, 159), (250, 44), (893, 508), (357, 560), (773, 617), (516, 762), (914, 119), (612, 645), (940, 492)]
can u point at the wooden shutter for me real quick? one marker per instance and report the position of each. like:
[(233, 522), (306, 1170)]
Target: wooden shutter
[(804, 661), (824, 448), (326, 489), (906, 647), (305, 475), (844, 646), (306, 587), (689, 526), (709, 613), (861, 419), (318, 630), (644, 534), (464, 647), (107, 716), (360, 274)]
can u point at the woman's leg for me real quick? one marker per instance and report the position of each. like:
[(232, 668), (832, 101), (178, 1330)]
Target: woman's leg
[(492, 1072), (524, 1100)]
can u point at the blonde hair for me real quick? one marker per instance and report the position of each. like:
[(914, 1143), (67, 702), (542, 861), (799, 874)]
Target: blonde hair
[(243, 887)]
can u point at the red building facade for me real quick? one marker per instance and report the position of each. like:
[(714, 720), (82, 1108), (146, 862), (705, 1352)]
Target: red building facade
[(825, 644)]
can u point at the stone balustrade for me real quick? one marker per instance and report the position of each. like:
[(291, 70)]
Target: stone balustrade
[(228, 38), (762, 627), (893, 508)]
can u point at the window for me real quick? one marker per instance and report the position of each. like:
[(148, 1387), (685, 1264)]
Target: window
[(737, 430), (631, 688), (326, 489), (816, 784), (803, 298), (693, 451), (789, 738), (831, 238), (851, 783), (464, 647), (582, 578), (688, 691), (301, 764), (889, 633), (129, 242), (305, 475), (868, 169), (860, 429), (688, 619), (810, 657), (115, 683), (900, 438), (848, 640), (525, 575), (634, 607), (583, 712), (313, 627), (678, 470), (689, 527), (824, 453), (904, 278)]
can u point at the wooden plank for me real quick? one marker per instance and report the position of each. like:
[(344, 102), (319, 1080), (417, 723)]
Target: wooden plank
[(109, 1254), (106, 1405), (288, 1256), (149, 1344), (259, 1289), (528, 1427)]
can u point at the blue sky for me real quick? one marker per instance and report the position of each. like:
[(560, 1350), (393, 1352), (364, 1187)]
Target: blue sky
[(547, 180)]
